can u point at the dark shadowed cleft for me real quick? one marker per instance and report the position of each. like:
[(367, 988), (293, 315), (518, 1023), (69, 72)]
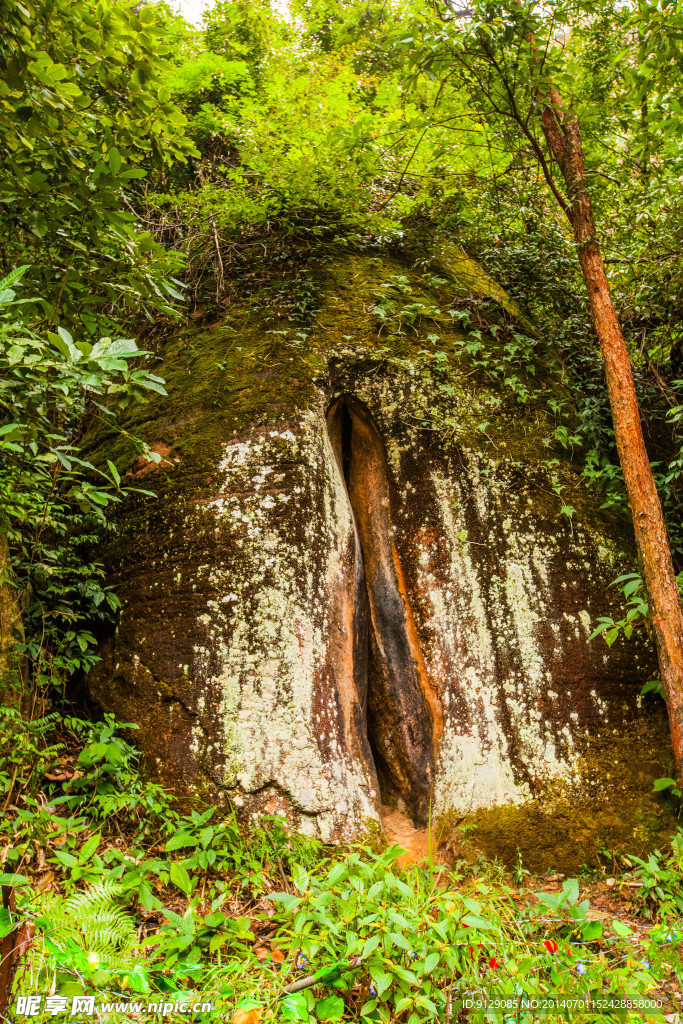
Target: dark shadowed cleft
[(389, 671)]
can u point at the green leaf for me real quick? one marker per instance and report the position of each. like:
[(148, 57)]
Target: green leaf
[(214, 920), (336, 874), (601, 627), (89, 847), (218, 940), (621, 928), (291, 902), (330, 972), (180, 840), (473, 921), (300, 878), (382, 980), (430, 963), (11, 879), (138, 979), (39, 225), (570, 890), (173, 292), (626, 576), (67, 859), (405, 975), (14, 276), (114, 473), (660, 784), (294, 1007), (6, 924), (370, 944), (114, 160), (180, 878), (400, 940), (59, 344), (611, 636), (331, 1008)]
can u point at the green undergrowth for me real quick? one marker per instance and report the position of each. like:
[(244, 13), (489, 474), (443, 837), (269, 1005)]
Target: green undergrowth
[(134, 903)]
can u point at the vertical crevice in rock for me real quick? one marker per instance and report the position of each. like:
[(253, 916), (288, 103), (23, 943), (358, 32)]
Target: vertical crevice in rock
[(402, 714)]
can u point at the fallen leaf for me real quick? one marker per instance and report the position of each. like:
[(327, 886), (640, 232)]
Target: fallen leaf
[(277, 954), (247, 1016)]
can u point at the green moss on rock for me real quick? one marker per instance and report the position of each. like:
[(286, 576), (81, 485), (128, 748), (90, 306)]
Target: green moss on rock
[(608, 808)]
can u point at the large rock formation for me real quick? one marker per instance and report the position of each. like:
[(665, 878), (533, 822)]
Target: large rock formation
[(356, 585)]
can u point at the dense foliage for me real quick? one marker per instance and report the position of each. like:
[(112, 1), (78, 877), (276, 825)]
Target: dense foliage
[(52, 500), (85, 115)]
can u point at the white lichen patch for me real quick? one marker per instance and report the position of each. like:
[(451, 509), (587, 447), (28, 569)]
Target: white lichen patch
[(488, 653), (270, 637)]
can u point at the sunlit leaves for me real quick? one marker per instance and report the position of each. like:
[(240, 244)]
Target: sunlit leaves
[(80, 108)]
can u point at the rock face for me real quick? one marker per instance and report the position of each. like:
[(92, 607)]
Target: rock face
[(356, 585)]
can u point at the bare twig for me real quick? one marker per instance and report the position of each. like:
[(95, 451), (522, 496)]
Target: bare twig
[(312, 979)]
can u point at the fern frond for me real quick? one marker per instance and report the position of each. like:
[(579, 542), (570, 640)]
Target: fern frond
[(183, 924), (104, 892)]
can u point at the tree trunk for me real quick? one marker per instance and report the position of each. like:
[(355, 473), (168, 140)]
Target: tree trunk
[(11, 667), (564, 139)]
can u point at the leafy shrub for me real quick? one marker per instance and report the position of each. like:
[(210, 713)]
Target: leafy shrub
[(53, 501), (25, 752), (404, 947), (661, 881)]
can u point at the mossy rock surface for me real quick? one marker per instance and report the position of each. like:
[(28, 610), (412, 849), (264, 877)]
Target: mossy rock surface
[(240, 646)]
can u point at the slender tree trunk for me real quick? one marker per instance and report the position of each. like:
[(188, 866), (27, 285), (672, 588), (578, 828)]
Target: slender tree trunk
[(12, 676), (564, 139)]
